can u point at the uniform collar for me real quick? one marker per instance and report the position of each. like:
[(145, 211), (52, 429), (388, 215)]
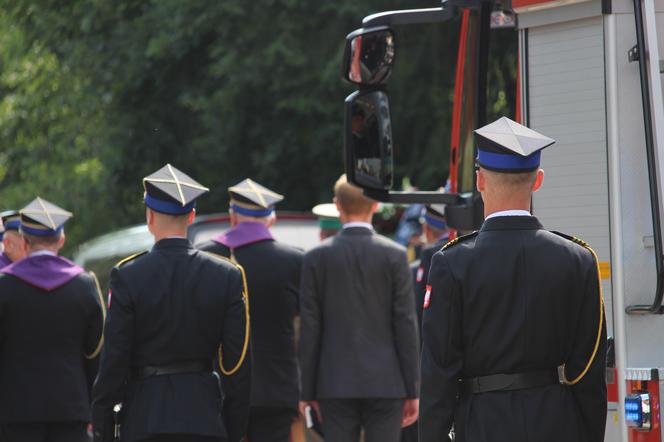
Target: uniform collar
[(511, 223), (170, 243), (509, 213)]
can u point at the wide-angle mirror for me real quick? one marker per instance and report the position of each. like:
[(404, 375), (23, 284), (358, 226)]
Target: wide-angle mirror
[(368, 140), (369, 56)]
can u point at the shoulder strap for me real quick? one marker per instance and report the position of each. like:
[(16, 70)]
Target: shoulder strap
[(601, 310), (130, 258), (459, 239), (245, 297), (100, 344)]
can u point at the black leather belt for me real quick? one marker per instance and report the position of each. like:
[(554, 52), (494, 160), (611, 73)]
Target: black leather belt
[(139, 373), (509, 382)]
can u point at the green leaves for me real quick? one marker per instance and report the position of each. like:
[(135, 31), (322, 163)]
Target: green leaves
[(95, 94)]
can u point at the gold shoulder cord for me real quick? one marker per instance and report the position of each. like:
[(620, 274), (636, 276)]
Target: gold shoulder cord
[(97, 350), (245, 297), (601, 319)]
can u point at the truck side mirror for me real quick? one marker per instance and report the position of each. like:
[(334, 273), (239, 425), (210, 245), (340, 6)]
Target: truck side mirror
[(368, 56), (368, 140)]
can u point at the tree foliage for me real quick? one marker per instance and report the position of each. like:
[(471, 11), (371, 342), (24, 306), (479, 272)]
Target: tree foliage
[(95, 94)]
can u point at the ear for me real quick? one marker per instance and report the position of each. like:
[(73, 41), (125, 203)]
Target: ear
[(480, 180), (149, 216), (272, 220), (538, 180), (336, 203), (61, 241), (191, 217)]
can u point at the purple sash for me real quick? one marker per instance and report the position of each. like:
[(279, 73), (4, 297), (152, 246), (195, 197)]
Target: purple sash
[(243, 234), (48, 272)]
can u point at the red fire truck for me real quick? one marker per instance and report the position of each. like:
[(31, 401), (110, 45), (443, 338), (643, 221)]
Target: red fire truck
[(590, 76)]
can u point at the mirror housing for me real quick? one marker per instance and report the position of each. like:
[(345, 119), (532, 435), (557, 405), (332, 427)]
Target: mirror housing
[(368, 56), (368, 140)]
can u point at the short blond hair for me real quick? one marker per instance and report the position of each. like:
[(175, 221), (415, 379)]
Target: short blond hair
[(351, 199)]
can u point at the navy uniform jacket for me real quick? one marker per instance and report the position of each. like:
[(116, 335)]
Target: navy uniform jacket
[(172, 304), (421, 276), (513, 298), (45, 336), (273, 278)]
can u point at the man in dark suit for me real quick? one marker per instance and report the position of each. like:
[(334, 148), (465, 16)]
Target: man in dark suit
[(51, 321), (169, 311), (358, 345), (505, 308), (273, 278), (13, 246)]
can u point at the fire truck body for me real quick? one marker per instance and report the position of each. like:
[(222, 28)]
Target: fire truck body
[(590, 76), (581, 88)]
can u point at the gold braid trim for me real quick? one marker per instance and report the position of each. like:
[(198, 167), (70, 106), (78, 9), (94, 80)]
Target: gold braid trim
[(245, 298), (100, 344), (601, 317), (459, 238), (130, 258)]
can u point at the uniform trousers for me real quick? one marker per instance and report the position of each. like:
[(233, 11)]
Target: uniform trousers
[(44, 432), (270, 424), (344, 419)]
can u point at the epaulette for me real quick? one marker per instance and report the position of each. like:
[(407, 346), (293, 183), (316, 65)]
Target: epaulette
[(459, 239), (130, 258), (572, 238)]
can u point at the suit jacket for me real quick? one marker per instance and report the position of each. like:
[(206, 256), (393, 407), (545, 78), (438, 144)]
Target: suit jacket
[(45, 336), (513, 298), (359, 330), (273, 278), (172, 304)]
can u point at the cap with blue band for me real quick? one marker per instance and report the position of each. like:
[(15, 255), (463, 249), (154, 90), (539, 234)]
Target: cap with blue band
[(171, 191), (434, 215), (248, 198), (42, 218), (507, 146), (11, 219)]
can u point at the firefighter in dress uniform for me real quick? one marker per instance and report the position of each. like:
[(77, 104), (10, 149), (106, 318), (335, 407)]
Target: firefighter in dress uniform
[(273, 279), (514, 335), (171, 311), (13, 248), (436, 236), (51, 322)]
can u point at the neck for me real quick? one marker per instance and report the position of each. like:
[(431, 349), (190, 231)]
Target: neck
[(493, 207), (345, 219), (52, 249), (158, 236)]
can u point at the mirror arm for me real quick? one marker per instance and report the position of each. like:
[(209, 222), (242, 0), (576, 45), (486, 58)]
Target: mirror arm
[(411, 16), (420, 197)]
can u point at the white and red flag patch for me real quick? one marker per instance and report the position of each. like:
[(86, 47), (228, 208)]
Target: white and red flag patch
[(427, 297), (110, 292), (420, 274)]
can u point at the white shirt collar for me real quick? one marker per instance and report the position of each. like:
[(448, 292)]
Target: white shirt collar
[(358, 224), (43, 252), (509, 213)]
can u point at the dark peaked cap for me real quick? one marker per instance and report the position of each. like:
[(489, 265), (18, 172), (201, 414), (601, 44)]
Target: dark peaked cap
[(250, 192), (506, 145), (171, 191), (43, 218)]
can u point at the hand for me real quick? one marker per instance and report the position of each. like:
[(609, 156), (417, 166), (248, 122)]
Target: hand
[(314, 406), (411, 410)]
